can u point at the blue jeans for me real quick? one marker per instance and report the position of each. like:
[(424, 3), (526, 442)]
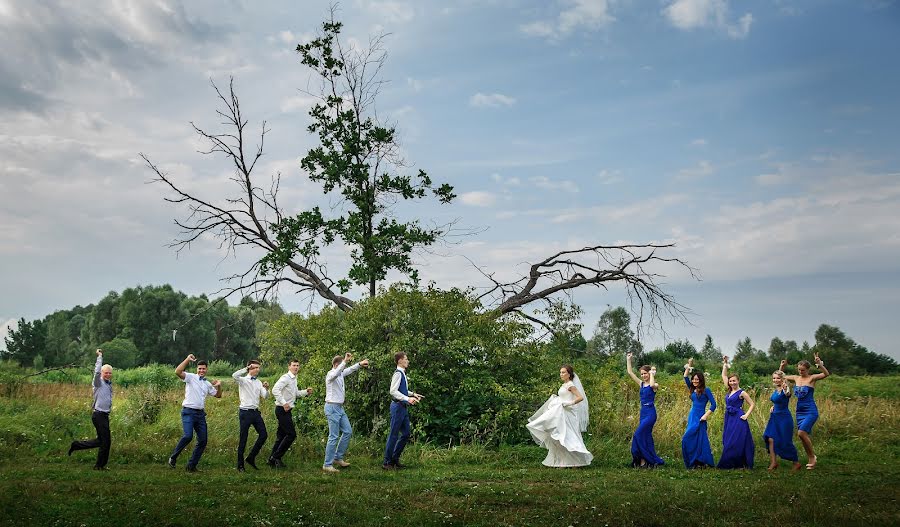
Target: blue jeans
[(338, 425), (192, 421), (399, 434)]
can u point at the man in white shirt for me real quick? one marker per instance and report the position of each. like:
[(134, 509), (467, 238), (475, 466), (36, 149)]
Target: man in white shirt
[(193, 412), (285, 392), (401, 397), (250, 391), (338, 423)]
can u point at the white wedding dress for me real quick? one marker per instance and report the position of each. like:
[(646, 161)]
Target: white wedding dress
[(558, 429)]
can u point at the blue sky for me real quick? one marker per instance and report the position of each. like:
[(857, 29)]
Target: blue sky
[(760, 137)]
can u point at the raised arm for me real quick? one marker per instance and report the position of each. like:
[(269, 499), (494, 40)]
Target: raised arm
[(653, 383), (630, 370), (97, 367), (782, 367), (725, 371), (179, 370), (238, 375), (688, 368), (821, 365)]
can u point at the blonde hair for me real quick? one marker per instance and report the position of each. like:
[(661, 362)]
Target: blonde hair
[(106, 367), (785, 387)]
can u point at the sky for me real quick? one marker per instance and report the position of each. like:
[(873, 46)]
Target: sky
[(759, 137)]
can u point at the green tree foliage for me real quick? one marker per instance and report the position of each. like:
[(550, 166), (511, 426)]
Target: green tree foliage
[(613, 335), (710, 351), (145, 317), (477, 372), (120, 353), (359, 158), (26, 341), (744, 350), (844, 355)]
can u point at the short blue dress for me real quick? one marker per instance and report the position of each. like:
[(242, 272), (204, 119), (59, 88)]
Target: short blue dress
[(780, 427), (807, 412)]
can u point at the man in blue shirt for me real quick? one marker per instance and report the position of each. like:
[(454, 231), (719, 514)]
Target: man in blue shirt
[(102, 395)]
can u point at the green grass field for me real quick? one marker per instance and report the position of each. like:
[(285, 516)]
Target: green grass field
[(857, 481)]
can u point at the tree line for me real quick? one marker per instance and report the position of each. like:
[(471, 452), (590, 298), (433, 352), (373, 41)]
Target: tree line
[(613, 336), (143, 325)]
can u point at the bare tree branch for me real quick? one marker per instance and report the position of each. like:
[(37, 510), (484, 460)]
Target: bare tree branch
[(599, 266), (246, 218)]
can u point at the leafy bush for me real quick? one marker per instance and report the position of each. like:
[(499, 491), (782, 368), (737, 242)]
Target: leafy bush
[(477, 372)]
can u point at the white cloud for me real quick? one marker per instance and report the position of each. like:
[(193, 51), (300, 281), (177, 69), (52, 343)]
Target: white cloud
[(298, 103), (610, 177), (415, 84), (703, 169), (589, 15), (392, 10), (698, 14), (490, 100), (4, 331), (506, 182), (543, 182), (478, 198)]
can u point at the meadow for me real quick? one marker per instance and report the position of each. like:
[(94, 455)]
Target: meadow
[(857, 481)]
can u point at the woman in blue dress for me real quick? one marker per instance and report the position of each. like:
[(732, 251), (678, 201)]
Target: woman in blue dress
[(695, 447), (737, 442), (779, 434), (643, 452), (807, 412)]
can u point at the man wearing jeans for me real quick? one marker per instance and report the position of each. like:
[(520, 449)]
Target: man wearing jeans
[(102, 392), (193, 413), (338, 423)]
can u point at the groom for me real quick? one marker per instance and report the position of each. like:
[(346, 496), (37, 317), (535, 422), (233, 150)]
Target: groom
[(401, 397)]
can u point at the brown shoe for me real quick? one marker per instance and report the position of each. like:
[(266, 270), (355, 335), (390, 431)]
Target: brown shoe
[(328, 469), (341, 463)]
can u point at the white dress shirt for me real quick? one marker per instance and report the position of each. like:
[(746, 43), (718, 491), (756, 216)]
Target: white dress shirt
[(334, 382), (285, 390), (395, 386), (196, 390), (250, 390)]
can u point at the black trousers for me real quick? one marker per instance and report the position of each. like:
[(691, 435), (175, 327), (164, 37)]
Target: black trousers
[(286, 434), (103, 440), (246, 418)]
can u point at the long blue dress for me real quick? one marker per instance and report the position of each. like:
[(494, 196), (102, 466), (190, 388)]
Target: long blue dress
[(737, 441), (642, 443), (807, 412), (695, 447), (781, 427)]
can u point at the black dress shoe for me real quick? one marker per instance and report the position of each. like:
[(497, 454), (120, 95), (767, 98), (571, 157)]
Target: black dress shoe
[(190, 468), (171, 462), (280, 464), (240, 468), (388, 466), (271, 462), (98, 467), (252, 463), (399, 466)]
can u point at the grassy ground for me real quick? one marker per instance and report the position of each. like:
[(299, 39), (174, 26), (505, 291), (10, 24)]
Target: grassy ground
[(508, 487), (857, 481)]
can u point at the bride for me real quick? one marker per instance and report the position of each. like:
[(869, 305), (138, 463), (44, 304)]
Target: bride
[(558, 424)]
